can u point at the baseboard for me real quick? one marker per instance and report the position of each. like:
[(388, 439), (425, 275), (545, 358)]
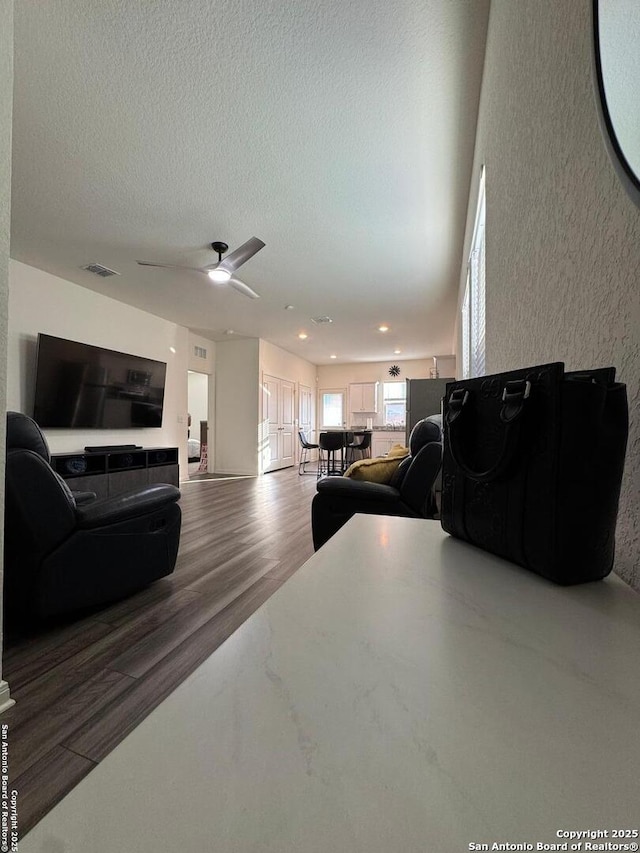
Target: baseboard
[(5, 699)]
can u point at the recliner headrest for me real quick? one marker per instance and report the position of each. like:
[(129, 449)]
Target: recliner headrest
[(427, 430), (24, 432)]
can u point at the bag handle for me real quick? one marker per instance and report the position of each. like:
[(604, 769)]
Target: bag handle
[(514, 394)]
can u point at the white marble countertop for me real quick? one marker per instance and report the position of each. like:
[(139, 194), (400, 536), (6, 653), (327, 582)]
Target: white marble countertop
[(402, 693)]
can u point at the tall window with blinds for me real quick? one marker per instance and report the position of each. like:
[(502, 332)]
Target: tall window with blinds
[(473, 304)]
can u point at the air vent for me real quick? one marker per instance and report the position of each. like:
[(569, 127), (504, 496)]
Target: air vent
[(98, 269), (200, 352), (320, 321)]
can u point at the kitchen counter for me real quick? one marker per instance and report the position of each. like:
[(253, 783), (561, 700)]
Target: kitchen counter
[(379, 429)]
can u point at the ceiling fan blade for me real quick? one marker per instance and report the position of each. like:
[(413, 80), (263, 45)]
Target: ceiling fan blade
[(243, 288), (169, 266), (242, 254)]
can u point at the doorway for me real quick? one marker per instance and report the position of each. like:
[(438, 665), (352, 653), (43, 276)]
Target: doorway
[(198, 438)]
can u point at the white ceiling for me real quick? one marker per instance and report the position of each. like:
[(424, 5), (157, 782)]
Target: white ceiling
[(339, 133)]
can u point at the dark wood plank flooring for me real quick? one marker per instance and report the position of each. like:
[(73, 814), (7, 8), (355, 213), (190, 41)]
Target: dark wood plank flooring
[(81, 686)]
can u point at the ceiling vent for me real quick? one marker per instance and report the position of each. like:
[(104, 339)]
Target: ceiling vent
[(320, 321), (98, 269)]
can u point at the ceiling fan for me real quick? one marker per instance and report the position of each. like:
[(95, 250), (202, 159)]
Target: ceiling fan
[(222, 271)]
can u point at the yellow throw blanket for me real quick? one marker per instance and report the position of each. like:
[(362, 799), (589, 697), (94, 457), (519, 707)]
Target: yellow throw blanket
[(380, 469)]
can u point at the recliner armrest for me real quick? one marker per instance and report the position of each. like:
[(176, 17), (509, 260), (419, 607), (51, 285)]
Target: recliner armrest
[(128, 505), (83, 498), (417, 485), (343, 487)]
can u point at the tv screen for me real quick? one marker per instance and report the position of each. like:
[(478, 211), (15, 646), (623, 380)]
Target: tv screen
[(86, 387)]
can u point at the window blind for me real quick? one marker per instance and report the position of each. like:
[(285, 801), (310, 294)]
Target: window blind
[(473, 311)]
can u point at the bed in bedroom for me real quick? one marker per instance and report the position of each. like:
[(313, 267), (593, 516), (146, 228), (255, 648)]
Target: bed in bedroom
[(193, 449)]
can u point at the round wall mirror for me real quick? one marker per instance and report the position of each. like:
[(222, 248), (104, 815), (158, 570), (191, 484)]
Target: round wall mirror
[(616, 29)]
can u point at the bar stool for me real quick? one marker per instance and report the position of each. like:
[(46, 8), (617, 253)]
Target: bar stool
[(304, 454), (362, 447), (330, 444)]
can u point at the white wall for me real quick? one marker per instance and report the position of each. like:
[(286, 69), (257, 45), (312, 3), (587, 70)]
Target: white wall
[(6, 105), (339, 375), (284, 365), (446, 366), (206, 364), (40, 302), (236, 405), (240, 365), (563, 238)]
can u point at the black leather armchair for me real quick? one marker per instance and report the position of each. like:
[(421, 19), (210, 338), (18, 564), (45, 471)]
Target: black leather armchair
[(410, 492), (61, 555)]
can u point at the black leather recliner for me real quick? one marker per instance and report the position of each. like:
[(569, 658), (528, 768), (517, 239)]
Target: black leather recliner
[(59, 555), (410, 492)]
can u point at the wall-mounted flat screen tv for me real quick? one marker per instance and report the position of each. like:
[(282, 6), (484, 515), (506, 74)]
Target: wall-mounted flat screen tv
[(79, 386)]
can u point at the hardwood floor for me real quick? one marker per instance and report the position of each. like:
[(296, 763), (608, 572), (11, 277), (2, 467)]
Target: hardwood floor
[(81, 686)]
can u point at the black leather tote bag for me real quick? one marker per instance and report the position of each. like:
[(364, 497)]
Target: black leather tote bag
[(532, 467)]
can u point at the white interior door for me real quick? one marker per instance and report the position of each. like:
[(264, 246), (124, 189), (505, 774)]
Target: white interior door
[(305, 409), (279, 413), (287, 423)]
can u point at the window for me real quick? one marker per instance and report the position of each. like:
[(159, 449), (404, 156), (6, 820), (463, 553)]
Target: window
[(466, 333), (332, 408), (394, 403), (473, 305)]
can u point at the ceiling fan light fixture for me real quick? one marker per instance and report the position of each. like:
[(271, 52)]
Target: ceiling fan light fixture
[(219, 276)]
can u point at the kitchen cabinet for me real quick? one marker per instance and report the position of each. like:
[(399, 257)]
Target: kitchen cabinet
[(363, 397), (383, 440)]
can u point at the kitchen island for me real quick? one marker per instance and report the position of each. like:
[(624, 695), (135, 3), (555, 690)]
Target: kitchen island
[(402, 691)]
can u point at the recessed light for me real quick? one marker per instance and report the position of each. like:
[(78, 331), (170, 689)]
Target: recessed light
[(229, 332), (383, 328), (288, 307), (172, 349), (303, 336), (333, 356), (397, 351)]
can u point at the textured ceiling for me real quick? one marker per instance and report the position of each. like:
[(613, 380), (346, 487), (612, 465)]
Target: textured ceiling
[(341, 134)]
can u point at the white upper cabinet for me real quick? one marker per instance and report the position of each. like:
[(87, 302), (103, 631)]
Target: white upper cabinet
[(363, 397)]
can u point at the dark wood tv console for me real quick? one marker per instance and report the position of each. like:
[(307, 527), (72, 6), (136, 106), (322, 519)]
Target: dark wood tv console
[(113, 472)]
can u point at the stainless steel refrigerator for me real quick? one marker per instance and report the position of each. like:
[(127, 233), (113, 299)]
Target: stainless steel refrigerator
[(424, 398)]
